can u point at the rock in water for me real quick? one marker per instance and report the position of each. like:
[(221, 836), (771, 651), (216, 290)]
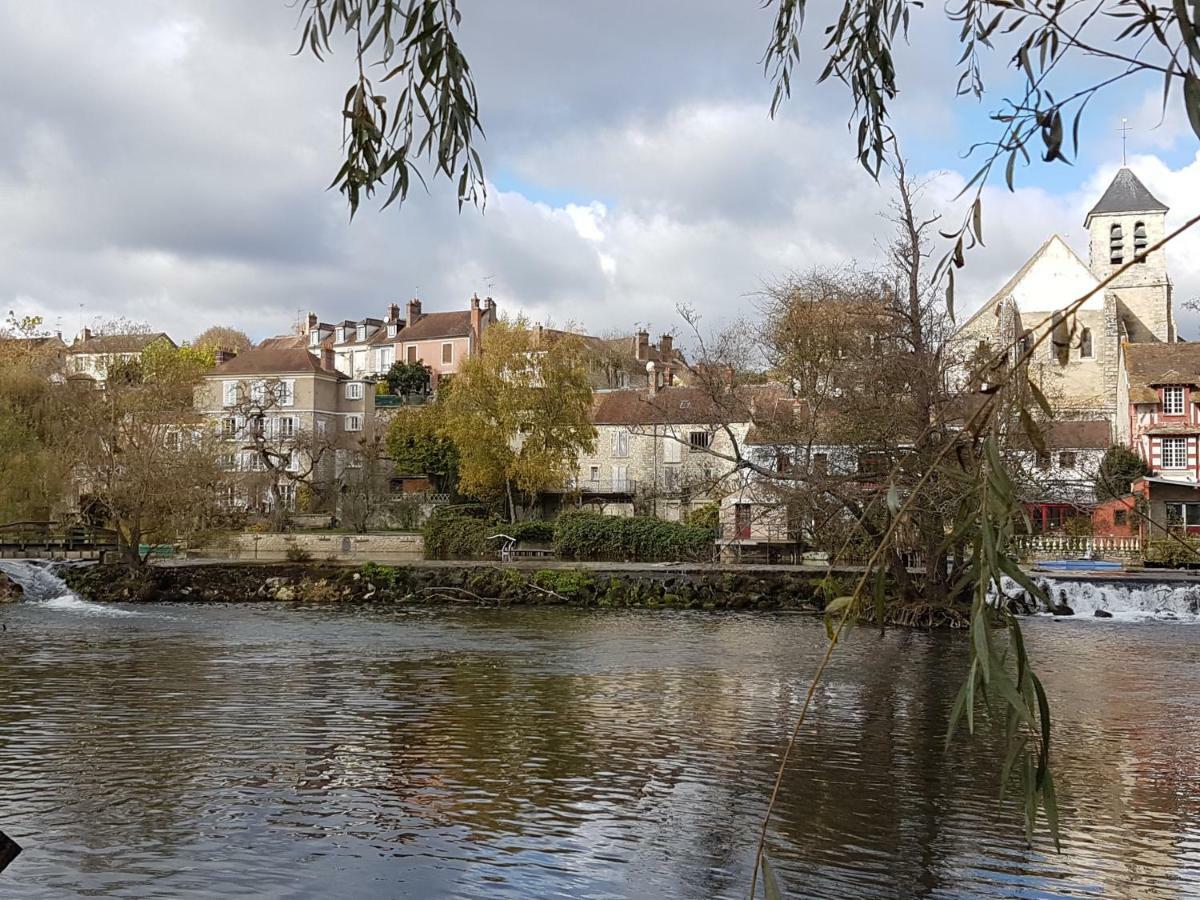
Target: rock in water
[(1102, 614), (10, 591)]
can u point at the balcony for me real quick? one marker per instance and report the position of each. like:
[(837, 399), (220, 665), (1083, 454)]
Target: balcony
[(598, 487)]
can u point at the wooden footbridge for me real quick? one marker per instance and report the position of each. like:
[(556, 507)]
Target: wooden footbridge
[(55, 540)]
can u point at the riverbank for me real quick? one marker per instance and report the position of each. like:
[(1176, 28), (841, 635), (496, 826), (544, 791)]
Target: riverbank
[(604, 587)]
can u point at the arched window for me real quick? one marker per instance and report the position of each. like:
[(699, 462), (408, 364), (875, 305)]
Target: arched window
[(1116, 245), (1060, 339), (1139, 240), (1085, 343)]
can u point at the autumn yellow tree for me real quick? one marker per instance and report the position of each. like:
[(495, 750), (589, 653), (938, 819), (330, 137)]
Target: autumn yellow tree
[(519, 413)]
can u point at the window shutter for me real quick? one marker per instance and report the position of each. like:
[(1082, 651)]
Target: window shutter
[(230, 393)]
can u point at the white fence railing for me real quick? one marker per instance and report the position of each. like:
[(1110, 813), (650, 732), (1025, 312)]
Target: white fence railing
[(1062, 545)]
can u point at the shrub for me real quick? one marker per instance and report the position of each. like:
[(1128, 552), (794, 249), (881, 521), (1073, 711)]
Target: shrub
[(451, 536), (582, 535), (537, 531), (380, 576), (706, 516), (296, 553), (568, 582), (1169, 552)]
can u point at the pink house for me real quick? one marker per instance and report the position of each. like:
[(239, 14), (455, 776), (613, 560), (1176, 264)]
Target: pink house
[(1158, 409), (442, 340)]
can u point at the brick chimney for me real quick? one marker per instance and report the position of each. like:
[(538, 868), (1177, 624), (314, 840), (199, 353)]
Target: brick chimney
[(489, 309), (414, 311), (393, 312), (665, 343), (224, 355), (476, 321), (87, 333), (312, 322), (643, 345), (328, 360)]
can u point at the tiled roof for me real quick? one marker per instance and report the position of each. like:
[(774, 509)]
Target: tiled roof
[(1150, 365), (1126, 194), (1173, 428), (118, 343), (1082, 434), (283, 342), (438, 325), (273, 361), (679, 406)]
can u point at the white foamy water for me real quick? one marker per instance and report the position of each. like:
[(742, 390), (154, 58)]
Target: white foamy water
[(42, 587), (1129, 601)]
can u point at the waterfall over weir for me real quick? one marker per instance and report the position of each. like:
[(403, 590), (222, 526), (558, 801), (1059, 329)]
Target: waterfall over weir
[(1126, 600), (41, 586)]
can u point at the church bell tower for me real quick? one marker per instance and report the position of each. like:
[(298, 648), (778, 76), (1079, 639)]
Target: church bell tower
[(1125, 222)]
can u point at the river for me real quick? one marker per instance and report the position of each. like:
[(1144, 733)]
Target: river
[(278, 751)]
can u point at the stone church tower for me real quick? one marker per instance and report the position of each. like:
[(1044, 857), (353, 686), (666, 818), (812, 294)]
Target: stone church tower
[(1125, 221), (1078, 366)]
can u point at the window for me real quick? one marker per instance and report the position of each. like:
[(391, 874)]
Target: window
[(820, 463), (229, 393), (699, 440), (386, 357), (1179, 514), (354, 423), (1042, 459), (672, 449), (1174, 453), (229, 428), (174, 441), (354, 390), (783, 462), (1085, 343), (341, 335), (293, 464), (361, 333), (287, 495), (671, 478), (229, 461), (321, 427), (1139, 241), (1116, 245), (1066, 459), (258, 392), (1120, 516), (593, 473), (285, 392), (872, 463), (447, 354), (1173, 401), (392, 330), (286, 427), (410, 353), (314, 338), (620, 477), (620, 442)]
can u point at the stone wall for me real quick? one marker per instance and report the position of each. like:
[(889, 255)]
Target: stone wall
[(380, 547)]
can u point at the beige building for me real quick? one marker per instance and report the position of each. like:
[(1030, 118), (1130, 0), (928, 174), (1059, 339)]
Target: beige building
[(91, 355), (1078, 366), (287, 418)]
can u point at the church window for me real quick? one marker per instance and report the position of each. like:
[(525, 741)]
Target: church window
[(1116, 245), (1139, 240), (1060, 340), (1173, 401), (1085, 344)]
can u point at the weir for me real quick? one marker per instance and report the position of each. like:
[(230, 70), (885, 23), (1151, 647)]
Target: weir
[(1127, 600), (40, 585)]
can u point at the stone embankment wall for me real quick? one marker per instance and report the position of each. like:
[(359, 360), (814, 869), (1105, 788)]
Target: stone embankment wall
[(391, 547), (478, 585)]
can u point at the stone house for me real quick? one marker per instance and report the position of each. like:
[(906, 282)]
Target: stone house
[(298, 406), (91, 355)]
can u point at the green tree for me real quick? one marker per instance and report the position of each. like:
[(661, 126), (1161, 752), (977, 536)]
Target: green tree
[(519, 414), (1118, 470), (417, 445), (406, 378)]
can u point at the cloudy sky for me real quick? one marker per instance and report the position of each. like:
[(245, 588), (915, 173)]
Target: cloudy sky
[(167, 162)]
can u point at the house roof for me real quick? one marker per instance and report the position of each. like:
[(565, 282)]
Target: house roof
[(283, 342), (1071, 434), (1149, 365), (273, 361), (680, 405), (1125, 194), (118, 343), (456, 323)]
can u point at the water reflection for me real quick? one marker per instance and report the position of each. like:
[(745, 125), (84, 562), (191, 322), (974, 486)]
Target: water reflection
[(334, 752)]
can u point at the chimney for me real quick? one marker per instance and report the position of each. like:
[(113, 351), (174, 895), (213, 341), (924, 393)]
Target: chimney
[(393, 312), (643, 345), (651, 378), (223, 355), (664, 345), (668, 376), (87, 333), (476, 323), (414, 311), (489, 308), (312, 322), (327, 358)]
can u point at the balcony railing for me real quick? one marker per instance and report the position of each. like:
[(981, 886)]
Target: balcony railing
[(598, 487)]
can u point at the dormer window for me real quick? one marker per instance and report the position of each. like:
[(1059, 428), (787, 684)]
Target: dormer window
[(1172, 401), (1116, 245), (1139, 241), (314, 338), (341, 335), (361, 333), (391, 331)]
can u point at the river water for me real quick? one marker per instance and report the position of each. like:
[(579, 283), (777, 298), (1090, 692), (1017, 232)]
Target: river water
[(276, 751)]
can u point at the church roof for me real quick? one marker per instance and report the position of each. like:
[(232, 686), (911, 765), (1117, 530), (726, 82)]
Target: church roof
[(1125, 194)]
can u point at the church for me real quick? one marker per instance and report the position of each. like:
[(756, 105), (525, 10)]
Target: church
[(1079, 368)]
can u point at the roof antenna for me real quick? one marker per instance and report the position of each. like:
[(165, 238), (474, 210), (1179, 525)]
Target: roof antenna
[(1124, 129)]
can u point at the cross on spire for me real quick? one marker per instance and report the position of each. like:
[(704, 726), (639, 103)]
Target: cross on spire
[(1124, 129)]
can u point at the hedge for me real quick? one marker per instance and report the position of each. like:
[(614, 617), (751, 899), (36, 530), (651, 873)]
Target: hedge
[(450, 536), (536, 531), (592, 536)]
